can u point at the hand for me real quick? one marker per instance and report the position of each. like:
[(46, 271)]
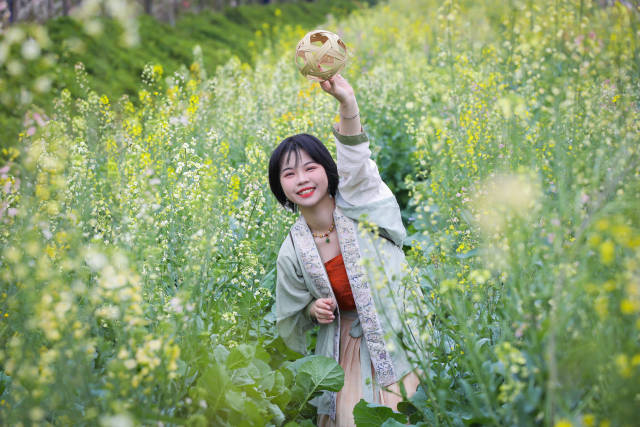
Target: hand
[(322, 310), (340, 89)]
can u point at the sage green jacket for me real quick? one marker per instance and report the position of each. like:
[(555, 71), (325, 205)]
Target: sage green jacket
[(370, 234)]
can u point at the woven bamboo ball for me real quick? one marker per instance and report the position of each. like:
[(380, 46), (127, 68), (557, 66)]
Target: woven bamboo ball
[(320, 55)]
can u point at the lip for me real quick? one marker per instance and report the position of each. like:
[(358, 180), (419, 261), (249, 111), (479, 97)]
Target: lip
[(309, 194)]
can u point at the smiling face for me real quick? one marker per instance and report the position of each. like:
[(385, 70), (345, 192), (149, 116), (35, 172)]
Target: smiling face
[(303, 180)]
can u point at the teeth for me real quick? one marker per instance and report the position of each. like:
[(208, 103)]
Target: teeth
[(306, 191)]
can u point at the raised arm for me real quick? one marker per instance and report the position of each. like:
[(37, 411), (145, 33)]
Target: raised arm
[(340, 89), (360, 189), (360, 181)]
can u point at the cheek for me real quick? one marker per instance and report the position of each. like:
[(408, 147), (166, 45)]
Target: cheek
[(321, 176), (286, 186)]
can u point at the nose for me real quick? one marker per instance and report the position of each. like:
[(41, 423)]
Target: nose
[(301, 177)]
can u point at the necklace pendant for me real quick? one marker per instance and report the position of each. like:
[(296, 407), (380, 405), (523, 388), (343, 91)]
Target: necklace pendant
[(327, 240)]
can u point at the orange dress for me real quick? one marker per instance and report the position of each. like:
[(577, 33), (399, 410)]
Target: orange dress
[(340, 283), (351, 393)]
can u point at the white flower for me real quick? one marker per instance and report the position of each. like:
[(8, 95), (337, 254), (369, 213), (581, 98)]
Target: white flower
[(95, 260), (175, 304), (119, 420), (30, 50)]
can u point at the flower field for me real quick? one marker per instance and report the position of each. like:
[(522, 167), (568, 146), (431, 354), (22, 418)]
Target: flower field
[(138, 242)]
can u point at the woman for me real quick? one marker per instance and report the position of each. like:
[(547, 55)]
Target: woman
[(334, 275)]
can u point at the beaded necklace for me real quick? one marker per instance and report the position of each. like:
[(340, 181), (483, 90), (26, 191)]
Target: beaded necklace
[(333, 224)]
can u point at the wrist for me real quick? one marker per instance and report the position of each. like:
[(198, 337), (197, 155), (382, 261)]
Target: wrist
[(310, 313), (349, 106)]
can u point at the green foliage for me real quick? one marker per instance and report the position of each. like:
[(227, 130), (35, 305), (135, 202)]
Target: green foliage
[(313, 375), (114, 69), (139, 237), (372, 415)]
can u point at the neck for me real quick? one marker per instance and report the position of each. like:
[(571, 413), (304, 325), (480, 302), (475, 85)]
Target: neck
[(319, 217)]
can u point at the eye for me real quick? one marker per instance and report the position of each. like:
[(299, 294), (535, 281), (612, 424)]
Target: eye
[(288, 174), (310, 168)]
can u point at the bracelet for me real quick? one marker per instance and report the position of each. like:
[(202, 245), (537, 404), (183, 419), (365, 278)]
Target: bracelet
[(351, 118)]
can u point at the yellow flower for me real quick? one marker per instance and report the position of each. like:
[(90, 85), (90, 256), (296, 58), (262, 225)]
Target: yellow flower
[(622, 362), (563, 423), (588, 420), (144, 96), (627, 306), (158, 70), (602, 224), (601, 305), (607, 252), (277, 12)]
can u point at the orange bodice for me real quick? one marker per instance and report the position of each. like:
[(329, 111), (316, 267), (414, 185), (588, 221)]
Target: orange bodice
[(340, 283)]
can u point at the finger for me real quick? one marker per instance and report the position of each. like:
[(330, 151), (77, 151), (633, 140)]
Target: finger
[(325, 319), (327, 303)]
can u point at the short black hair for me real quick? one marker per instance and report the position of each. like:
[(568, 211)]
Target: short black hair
[(316, 150)]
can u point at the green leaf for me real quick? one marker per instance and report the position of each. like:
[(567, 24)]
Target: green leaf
[(278, 415), (372, 415), (243, 376), (215, 381), (240, 356), (280, 353), (419, 398), (235, 400), (262, 354), (252, 414), (280, 391), (318, 373), (220, 353), (406, 407), (313, 375)]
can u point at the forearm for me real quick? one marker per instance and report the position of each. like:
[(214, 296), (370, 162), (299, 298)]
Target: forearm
[(350, 117)]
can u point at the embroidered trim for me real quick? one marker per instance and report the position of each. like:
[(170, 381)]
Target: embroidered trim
[(372, 329), (312, 263), (380, 357)]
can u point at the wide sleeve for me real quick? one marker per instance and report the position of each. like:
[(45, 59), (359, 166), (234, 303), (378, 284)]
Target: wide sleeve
[(361, 190), (292, 301)]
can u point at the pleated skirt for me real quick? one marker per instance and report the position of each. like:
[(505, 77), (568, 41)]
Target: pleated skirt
[(351, 393)]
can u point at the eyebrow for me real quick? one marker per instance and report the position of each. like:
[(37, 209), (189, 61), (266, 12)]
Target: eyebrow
[(310, 161)]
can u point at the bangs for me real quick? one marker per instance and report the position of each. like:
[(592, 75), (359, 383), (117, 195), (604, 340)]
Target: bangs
[(288, 151)]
